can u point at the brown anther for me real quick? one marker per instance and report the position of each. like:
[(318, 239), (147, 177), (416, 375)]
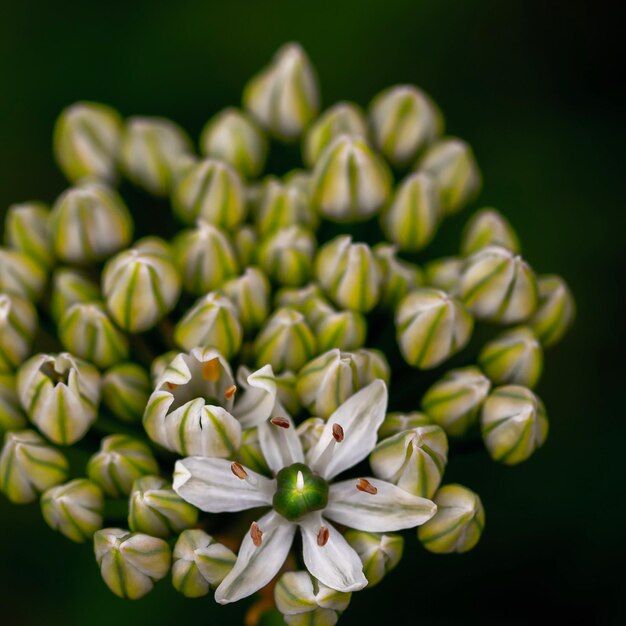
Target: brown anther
[(211, 370), (281, 422), (230, 392), (171, 386), (257, 534), (337, 433), (322, 536), (366, 486), (238, 470)]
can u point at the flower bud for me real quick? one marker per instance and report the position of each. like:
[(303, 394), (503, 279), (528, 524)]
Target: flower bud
[(308, 300), (404, 120), (141, 285), (310, 431), (413, 215), (453, 165), (151, 149), (130, 563), (431, 326), (343, 118), (29, 466), (21, 275), (70, 287), (60, 393), (18, 324), (397, 422), (398, 277), (87, 138), (556, 310), (11, 415), (284, 96), (379, 553), (234, 137), (350, 183), (200, 563), (285, 342), (27, 229), (74, 509), (370, 365), (443, 273), (250, 293), (245, 243), (488, 227), (212, 191), (514, 357), (154, 508), (125, 391), (211, 322), (345, 330), (299, 178), (158, 365), (348, 273), (120, 461), (454, 401), (287, 255), (457, 524), (250, 454), (287, 393), (514, 424), (205, 257), (498, 286)]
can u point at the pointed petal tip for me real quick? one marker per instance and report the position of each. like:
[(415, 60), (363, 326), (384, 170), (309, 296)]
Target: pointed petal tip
[(181, 475)]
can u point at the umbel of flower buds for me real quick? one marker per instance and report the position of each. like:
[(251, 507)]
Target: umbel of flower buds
[(125, 391), (287, 255), (70, 287), (18, 323), (488, 227), (555, 312), (250, 293), (379, 552), (12, 416), (21, 275), (398, 277), (27, 229)]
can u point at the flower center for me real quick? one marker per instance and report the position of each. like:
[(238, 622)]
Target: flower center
[(299, 491)]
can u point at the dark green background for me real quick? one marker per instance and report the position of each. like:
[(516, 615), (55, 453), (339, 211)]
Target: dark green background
[(533, 87)]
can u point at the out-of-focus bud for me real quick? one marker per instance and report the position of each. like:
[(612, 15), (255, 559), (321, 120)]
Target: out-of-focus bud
[(120, 461), (310, 431), (443, 273), (454, 401), (308, 300), (284, 96), (205, 257), (350, 183), (200, 563), (299, 178), (414, 459), (152, 148), (343, 118), (29, 466), (431, 326), (74, 509), (154, 508), (70, 287), (11, 415), (212, 191), (404, 120), (250, 453), (488, 227), (130, 563), (412, 217), (398, 277), (378, 552), (287, 255), (211, 322), (397, 422), (514, 357), (86, 330), (87, 138), (285, 342), (27, 229), (250, 294), (514, 424), (345, 330), (370, 365), (453, 165), (497, 285), (21, 275), (18, 323), (60, 394), (458, 523), (141, 285), (349, 274), (125, 391), (556, 310), (88, 223), (287, 393), (246, 242), (234, 137)]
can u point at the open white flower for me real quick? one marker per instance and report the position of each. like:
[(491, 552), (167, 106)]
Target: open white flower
[(300, 495)]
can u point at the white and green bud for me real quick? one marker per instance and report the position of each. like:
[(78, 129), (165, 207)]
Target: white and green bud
[(28, 466), (350, 183), (398, 277), (250, 293), (120, 461), (309, 300), (234, 137), (87, 141), (488, 227), (213, 321), (246, 242), (74, 509), (397, 422), (130, 563), (284, 96), (60, 394), (309, 432), (287, 392), (443, 273), (370, 365), (454, 401), (250, 454), (379, 553), (514, 424), (18, 324), (514, 357), (21, 275), (12, 416), (200, 563), (158, 365), (556, 310), (349, 274), (27, 229), (431, 326), (298, 178), (126, 388), (71, 287), (345, 330), (287, 255), (498, 285), (453, 165)]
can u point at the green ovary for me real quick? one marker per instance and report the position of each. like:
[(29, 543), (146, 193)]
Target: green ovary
[(299, 491)]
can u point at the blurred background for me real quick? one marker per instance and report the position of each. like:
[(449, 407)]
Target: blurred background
[(533, 87)]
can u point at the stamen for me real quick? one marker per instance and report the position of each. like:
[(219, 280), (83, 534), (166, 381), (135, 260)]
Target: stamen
[(257, 534), (366, 486), (281, 422), (322, 536), (238, 470), (230, 392), (338, 433), (300, 482), (171, 386), (211, 370)]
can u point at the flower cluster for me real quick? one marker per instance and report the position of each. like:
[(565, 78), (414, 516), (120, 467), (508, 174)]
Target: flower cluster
[(243, 364)]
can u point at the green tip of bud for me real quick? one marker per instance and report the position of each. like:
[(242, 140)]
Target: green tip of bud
[(379, 553), (299, 491), (488, 227)]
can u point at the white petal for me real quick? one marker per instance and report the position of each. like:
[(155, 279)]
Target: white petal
[(360, 416), (211, 485), (257, 565), (281, 447), (334, 564), (259, 396), (391, 508)]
